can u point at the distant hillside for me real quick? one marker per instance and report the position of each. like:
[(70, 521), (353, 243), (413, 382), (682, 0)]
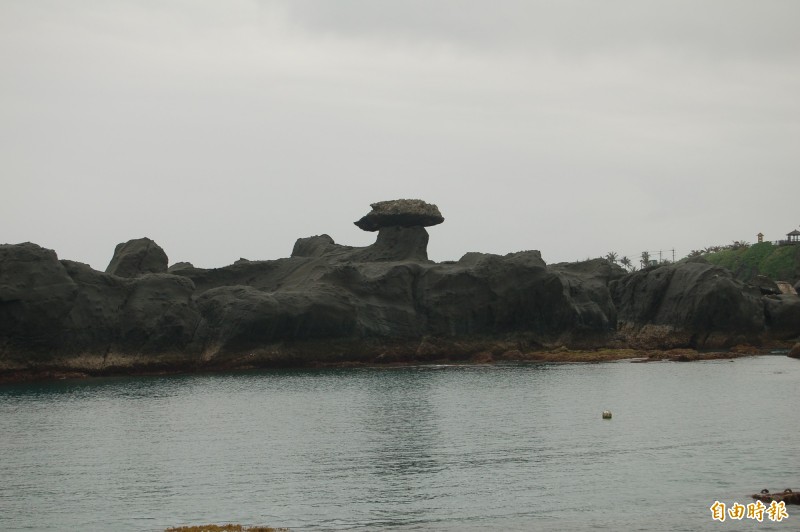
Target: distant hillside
[(779, 263)]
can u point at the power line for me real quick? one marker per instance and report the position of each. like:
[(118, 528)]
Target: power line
[(661, 253)]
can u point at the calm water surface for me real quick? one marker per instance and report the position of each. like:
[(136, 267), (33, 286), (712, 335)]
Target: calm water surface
[(507, 447)]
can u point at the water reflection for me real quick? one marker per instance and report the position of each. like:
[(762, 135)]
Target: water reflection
[(411, 448), (399, 457), (402, 423)]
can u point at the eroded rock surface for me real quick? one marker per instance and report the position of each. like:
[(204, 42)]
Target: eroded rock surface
[(766, 285), (332, 303), (400, 213), (782, 314), (54, 312), (37, 295), (688, 303), (137, 257), (794, 352)]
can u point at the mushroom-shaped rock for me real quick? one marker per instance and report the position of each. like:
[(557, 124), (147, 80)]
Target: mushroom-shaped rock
[(137, 257), (400, 213)]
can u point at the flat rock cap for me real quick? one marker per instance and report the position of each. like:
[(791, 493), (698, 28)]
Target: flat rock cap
[(400, 213)]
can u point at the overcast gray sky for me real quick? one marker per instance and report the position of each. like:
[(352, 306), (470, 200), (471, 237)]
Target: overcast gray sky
[(227, 129)]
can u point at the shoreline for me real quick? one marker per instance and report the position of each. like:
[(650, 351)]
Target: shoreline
[(556, 356), (331, 305)]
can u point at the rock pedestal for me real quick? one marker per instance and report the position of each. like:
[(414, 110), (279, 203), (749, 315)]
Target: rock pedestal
[(396, 244)]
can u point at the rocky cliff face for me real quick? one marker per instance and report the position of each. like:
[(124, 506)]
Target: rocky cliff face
[(693, 304), (329, 302), (65, 313)]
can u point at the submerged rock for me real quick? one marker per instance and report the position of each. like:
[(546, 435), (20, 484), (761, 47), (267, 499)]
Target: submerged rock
[(787, 496)]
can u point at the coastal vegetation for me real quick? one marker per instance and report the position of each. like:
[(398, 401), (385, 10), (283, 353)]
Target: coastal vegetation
[(614, 258), (779, 263)]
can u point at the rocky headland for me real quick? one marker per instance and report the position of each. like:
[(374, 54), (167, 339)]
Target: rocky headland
[(385, 303)]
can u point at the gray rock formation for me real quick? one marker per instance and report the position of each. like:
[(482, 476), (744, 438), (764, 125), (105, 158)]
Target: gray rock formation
[(37, 295), (358, 294), (315, 246), (137, 257), (180, 266), (152, 313), (794, 352), (51, 309), (386, 301), (766, 285), (400, 213), (588, 285), (395, 243), (783, 316), (688, 304)]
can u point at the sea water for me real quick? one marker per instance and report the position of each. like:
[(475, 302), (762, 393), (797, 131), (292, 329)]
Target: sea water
[(472, 447)]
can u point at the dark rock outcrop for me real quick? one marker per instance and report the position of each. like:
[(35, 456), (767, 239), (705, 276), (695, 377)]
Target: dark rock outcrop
[(587, 285), (787, 496), (383, 302), (180, 266), (400, 213), (67, 314), (36, 297), (766, 285), (137, 257), (783, 316), (360, 294), (794, 352), (395, 243), (688, 305), (315, 246)]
